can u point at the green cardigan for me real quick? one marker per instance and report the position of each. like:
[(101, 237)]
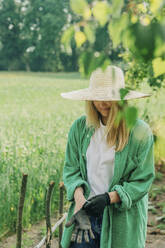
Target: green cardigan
[(125, 223)]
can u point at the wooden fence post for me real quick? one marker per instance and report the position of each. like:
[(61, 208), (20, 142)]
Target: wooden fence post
[(20, 210), (61, 207), (48, 221)]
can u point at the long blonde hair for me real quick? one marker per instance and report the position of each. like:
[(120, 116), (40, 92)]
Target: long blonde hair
[(116, 129)]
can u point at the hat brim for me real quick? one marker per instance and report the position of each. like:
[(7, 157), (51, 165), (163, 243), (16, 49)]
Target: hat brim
[(102, 95)]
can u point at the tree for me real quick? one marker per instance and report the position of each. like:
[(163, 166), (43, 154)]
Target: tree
[(134, 30), (30, 34), (43, 22), (11, 48), (135, 27)]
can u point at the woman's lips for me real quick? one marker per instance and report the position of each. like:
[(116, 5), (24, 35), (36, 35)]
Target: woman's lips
[(104, 109)]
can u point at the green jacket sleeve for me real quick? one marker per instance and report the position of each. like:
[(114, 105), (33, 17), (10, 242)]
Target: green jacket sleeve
[(71, 173), (141, 178)]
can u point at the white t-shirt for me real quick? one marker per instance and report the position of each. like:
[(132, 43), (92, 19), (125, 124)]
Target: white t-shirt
[(100, 162)]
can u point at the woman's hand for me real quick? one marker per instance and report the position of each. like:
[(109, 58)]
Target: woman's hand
[(95, 205), (79, 204), (82, 227), (79, 199)]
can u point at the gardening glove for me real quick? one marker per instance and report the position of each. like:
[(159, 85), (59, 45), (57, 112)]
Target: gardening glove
[(82, 227), (96, 204)]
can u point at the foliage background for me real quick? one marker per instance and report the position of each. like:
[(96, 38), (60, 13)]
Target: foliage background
[(30, 34)]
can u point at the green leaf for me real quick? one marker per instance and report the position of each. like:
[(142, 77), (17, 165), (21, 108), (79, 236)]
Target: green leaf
[(106, 63), (87, 13), (155, 5), (80, 38), (131, 114), (128, 39), (158, 66), (90, 33), (101, 11), (140, 40), (79, 6), (84, 62), (115, 36), (118, 118), (67, 36), (117, 7), (159, 47), (116, 28), (88, 62), (123, 92)]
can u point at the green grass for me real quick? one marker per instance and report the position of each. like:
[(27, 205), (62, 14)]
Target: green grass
[(34, 122)]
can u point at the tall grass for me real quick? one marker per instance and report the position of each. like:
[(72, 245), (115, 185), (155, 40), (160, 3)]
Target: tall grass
[(34, 122)]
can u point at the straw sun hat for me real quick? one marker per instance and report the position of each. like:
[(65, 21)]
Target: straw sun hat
[(104, 86)]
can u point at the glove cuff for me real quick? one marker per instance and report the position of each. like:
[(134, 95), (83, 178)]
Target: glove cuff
[(108, 199)]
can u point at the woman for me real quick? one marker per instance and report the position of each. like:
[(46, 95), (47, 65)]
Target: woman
[(108, 169)]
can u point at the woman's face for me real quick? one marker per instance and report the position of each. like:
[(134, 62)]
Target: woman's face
[(102, 107)]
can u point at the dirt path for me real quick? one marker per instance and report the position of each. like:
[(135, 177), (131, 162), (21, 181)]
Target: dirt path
[(155, 236), (155, 232), (156, 215), (30, 237)]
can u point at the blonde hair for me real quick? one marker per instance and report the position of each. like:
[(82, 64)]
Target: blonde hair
[(116, 129)]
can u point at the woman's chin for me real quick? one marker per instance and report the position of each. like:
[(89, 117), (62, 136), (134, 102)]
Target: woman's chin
[(105, 114)]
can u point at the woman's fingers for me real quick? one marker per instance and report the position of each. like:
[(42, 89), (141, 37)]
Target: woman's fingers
[(79, 236), (92, 236), (86, 236), (74, 235)]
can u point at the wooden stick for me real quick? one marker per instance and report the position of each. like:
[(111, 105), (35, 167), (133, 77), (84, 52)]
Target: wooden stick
[(61, 185), (48, 221), (53, 229), (20, 210)]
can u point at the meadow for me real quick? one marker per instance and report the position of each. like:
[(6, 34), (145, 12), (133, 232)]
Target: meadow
[(34, 122)]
